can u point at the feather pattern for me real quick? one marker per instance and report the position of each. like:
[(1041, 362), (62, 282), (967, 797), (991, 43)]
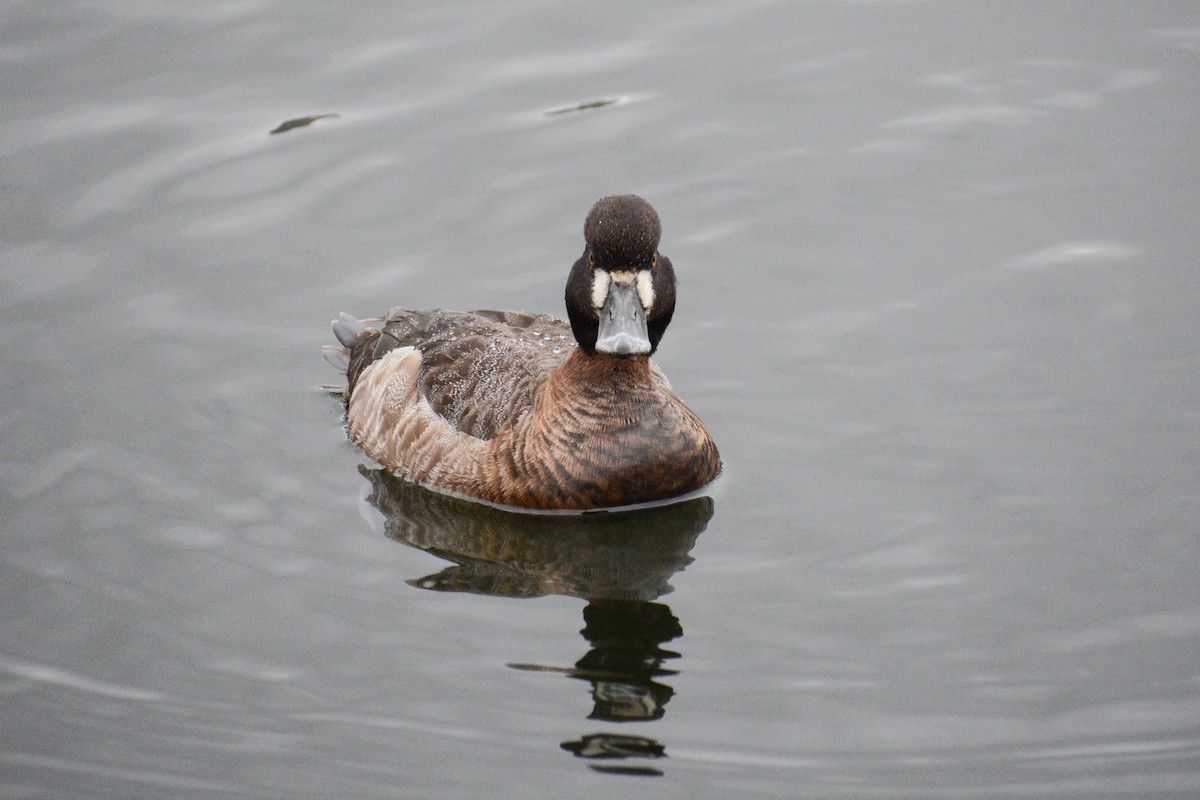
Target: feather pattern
[(506, 407)]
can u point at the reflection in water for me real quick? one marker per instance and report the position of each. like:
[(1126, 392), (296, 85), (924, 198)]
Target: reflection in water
[(617, 746), (625, 658), (629, 555), (618, 562)]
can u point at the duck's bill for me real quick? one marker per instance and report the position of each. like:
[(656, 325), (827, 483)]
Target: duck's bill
[(623, 323)]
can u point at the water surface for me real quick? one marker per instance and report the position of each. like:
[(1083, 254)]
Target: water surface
[(937, 304)]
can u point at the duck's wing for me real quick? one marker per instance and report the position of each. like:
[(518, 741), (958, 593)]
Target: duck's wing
[(478, 368)]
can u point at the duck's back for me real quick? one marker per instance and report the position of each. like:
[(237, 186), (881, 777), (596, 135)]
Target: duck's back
[(478, 368)]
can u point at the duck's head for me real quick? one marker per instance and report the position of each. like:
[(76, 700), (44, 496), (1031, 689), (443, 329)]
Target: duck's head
[(621, 292)]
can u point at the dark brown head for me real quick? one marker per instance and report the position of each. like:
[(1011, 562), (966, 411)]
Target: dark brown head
[(621, 292)]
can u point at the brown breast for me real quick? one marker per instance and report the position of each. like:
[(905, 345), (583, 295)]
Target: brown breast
[(602, 431)]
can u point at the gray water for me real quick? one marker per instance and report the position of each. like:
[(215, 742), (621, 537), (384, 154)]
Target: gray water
[(938, 290)]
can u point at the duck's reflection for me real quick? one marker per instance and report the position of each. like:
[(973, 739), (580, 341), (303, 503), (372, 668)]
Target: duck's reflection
[(618, 562)]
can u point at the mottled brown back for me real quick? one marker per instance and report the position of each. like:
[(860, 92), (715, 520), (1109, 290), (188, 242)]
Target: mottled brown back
[(478, 368)]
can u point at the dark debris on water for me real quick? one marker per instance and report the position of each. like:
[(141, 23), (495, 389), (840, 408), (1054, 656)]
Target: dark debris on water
[(300, 122)]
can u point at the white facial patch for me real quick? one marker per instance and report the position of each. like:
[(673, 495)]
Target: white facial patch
[(600, 281), (645, 288)]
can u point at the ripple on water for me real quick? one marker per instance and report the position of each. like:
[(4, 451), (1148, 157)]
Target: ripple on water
[(1073, 253), (43, 268), (193, 536)]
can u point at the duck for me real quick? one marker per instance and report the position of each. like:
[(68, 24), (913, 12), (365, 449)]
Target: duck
[(529, 411)]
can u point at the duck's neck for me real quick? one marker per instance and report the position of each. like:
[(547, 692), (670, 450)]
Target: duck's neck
[(608, 371)]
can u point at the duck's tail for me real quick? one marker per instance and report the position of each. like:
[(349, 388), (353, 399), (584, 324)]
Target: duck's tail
[(346, 328)]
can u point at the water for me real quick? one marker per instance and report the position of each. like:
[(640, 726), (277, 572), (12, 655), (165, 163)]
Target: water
[(937, 305)]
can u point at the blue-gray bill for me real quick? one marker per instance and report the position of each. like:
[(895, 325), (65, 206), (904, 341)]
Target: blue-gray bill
[(623, 323)]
